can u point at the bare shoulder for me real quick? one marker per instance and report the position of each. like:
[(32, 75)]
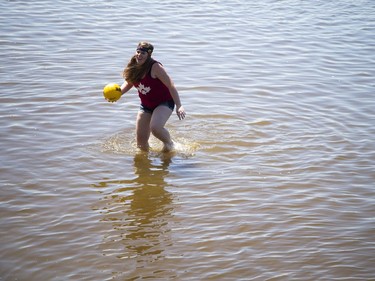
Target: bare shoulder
[(157, 70)]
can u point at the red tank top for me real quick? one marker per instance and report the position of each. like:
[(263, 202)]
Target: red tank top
[(152, 91)]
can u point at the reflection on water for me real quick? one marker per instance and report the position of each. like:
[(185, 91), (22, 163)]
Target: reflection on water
[(139, 210)]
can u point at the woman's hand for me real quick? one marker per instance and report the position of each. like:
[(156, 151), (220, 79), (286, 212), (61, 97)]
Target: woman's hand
[(180, 111)]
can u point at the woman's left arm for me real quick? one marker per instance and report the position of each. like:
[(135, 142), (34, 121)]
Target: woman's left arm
[(159, 72)]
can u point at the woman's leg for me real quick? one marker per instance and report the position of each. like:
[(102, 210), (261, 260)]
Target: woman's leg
[(159, 117), (143, 130)]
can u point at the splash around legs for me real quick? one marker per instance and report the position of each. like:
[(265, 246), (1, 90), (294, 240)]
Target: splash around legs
[(154, 123)]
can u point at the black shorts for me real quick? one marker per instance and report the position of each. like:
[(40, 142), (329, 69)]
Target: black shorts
[(169, 104)]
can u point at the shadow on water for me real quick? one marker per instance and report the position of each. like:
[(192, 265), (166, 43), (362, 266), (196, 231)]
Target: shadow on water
[(139, 211)]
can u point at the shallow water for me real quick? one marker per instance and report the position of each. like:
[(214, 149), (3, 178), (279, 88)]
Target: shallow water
[(274, 169)]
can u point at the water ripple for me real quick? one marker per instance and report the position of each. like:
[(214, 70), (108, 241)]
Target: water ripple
[(273, 174)]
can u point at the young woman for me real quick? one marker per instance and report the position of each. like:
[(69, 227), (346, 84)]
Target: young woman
[(158, 96)]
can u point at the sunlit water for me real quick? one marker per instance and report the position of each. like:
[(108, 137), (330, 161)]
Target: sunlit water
[(273, 176)]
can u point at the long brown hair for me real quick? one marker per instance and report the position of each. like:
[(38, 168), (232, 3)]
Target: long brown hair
[(133, 72)]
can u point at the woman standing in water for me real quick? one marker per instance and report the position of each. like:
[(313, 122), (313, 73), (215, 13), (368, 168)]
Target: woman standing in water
[(158, 96)]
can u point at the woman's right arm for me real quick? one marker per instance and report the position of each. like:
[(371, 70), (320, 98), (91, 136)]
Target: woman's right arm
[(125, 87)]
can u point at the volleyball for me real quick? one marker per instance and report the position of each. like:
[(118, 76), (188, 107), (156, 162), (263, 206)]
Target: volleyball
[(112, 92)]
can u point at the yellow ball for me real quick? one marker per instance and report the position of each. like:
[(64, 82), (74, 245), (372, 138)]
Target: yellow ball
[(112, 92)]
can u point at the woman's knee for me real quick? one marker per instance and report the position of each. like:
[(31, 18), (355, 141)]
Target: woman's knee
[(156, 128), (159, 118)]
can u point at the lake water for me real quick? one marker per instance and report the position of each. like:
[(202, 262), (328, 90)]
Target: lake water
[(273, 177)]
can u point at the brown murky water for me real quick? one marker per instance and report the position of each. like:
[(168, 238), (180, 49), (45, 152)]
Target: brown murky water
[(273, 177)]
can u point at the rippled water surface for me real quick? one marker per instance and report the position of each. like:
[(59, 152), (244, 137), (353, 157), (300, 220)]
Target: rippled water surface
[(273, 177)]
